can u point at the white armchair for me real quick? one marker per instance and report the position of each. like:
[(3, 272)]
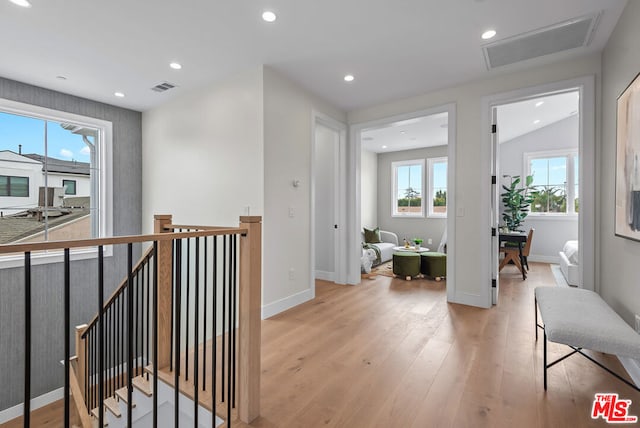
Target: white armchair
[(389, 240)]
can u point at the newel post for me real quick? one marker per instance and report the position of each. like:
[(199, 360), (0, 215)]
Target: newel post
[(81, 357), (165, 275), (250, 309)]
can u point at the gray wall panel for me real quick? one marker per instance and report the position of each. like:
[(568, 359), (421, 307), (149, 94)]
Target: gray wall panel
[(48, 342)]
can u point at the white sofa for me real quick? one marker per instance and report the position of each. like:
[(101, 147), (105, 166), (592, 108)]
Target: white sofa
[(569, 262), (389, 240)]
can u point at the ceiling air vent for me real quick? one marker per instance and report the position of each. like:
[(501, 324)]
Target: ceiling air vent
[(563, 36), (164, 86)]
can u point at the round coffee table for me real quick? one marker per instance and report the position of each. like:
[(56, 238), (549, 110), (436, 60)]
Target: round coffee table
[(411, 249)]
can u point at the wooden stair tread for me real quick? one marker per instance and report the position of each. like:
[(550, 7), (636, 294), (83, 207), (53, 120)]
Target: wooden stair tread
[(95, 414), (142, 385), (122, 395), (112, 405)]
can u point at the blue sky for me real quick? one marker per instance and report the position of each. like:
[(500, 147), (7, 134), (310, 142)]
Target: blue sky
[(552, 171), (409, 176), (29, 132)]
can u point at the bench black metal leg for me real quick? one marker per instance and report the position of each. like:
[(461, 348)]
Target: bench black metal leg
[(545, 360), (535, 309)]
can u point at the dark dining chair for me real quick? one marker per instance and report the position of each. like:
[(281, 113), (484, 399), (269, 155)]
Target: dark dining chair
[(512, 254)]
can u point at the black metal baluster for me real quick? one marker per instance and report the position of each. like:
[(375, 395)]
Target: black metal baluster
[(100, 336), (173, 260), (67, 341), (231, 327), (118, 336), (204, 322), (91, 348), (130, 333), (224, 300), (136, 314), (155, 334), (196, 340), (177, 330), (235, 318), (86, 372), (214, 328), (147, 337), (186, 345), (26, 412)]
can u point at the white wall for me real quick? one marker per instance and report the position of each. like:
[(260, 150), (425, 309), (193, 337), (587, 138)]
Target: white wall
[(473, 160), (202, 154), (369, 189), (288, 133), (13, 164), (550, 233), (83, 182), (409, 228), (326, 144), (618, 269)]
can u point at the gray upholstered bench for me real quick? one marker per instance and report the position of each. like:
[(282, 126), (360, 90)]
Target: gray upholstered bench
[(580, 319)]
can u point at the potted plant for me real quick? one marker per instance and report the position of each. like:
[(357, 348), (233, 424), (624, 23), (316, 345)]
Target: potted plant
[(516, 201), (418, 242)]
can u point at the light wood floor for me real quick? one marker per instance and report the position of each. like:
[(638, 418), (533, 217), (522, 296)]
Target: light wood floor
[(393, 353)]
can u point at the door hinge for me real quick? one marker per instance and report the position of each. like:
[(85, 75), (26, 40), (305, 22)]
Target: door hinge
[(493, 179), (494, 283), (335, 226), (493, 231), (494, 128)]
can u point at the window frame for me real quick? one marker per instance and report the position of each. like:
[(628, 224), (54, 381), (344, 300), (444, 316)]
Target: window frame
[(570, 155), (430, 190), (394, 188), (9, 195), (75, 192), (104, 150)]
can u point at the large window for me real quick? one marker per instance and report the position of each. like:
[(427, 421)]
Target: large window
[(408, 179), (14, 186), (437, 184), (555, 187), (60, 165)]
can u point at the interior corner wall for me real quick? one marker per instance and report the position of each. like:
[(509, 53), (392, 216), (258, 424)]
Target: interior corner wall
[(203, 154), (369, 189), (288, 133), (473, 160), (47, 279), (409, 228), (618, 271), (551, 233)]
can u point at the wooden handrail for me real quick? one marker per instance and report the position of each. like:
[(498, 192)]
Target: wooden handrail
[(125, 239), (192, 227)]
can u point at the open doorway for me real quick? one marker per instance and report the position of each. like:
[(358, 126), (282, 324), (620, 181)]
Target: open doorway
[(405, 181), (545, 133)]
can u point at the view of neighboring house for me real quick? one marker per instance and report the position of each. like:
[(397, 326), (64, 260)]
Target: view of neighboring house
[(24, 203)]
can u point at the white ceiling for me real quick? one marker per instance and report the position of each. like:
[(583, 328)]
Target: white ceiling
[(520, 118), (427, 131), (394, 49)]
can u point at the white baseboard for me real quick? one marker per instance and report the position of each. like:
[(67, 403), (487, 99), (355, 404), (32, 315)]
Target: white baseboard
[(632, 367), (40, 401), (325, 276), (289, 302), (544, 259)]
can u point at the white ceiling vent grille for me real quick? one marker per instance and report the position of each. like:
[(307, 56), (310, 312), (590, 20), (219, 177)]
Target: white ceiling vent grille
[(560, 37), (164, 86)]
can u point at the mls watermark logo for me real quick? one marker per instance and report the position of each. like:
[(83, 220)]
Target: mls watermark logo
[(612, 409)]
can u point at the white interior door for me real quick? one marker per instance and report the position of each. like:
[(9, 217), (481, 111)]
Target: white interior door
[(495, 206), (327, 206)]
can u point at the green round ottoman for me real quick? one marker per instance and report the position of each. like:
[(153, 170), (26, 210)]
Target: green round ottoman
[(433, 264), (406, 264)]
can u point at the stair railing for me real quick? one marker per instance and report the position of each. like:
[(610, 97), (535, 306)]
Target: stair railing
[(141, 324)]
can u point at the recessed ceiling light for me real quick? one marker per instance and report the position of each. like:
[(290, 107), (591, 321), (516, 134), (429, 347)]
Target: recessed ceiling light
[(539, 103), (268, 16), (175, 65), (489, 34), (537, 121), (22, 3), (349, 78), (119, 94), (384, 147)]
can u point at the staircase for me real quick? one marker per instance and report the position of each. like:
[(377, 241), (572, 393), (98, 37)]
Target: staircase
[(115, 407), (187, 314)]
